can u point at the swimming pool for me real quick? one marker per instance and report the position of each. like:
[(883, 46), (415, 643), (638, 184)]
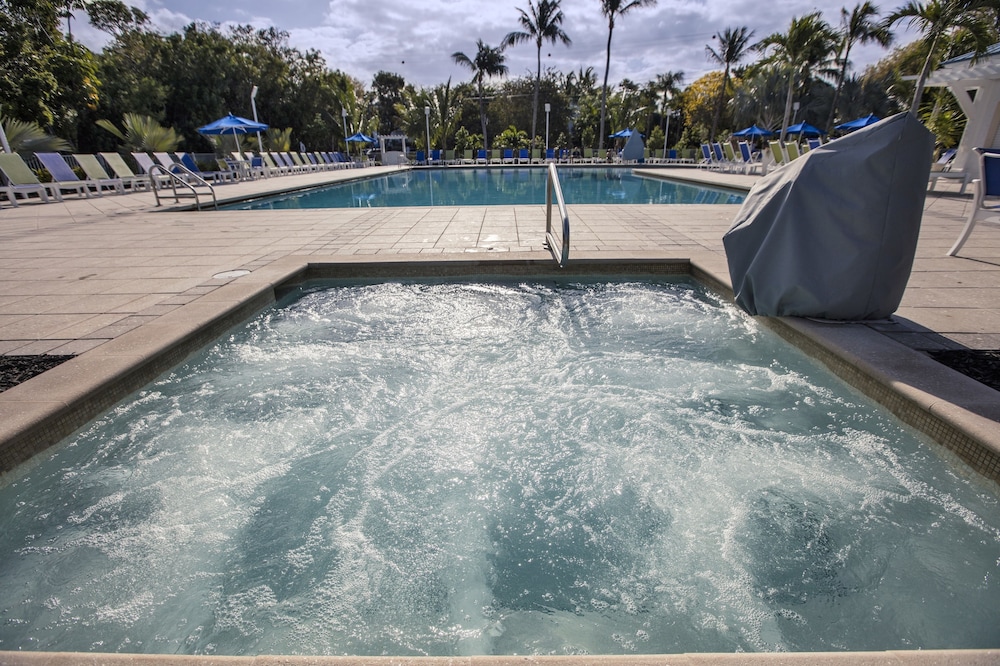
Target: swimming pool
[(494, 187), (496, 468)]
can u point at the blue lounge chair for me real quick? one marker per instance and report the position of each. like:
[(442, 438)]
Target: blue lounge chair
[(63, 176), (986, 203), (216, 176)]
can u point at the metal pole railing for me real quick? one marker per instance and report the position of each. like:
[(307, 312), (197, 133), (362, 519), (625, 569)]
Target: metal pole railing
[(561, 255)]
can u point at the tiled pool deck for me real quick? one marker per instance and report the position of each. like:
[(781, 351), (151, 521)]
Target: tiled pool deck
[(119, 282)]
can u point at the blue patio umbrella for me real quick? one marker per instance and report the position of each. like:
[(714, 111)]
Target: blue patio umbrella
[(805, 129), (360, 137), (753, 130), (858, 123), (233, 125), (623, 134)]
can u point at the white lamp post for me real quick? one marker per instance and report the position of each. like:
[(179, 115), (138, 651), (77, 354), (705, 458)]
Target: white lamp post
[(253, 105), (427, 124), (666, 132), (347, 148), (795, 112), (548, 107)]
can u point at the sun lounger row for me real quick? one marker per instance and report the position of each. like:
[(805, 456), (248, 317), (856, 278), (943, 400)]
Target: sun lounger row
[(111, 172)]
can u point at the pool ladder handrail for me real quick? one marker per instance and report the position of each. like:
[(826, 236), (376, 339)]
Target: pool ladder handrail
[(178, 174), (553, 185)]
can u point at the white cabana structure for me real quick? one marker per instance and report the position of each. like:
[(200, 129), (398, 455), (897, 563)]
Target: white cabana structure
[(390, 155), (976, 86)]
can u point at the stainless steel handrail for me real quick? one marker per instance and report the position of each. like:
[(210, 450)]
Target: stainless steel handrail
[(178, 174), (552, 185)]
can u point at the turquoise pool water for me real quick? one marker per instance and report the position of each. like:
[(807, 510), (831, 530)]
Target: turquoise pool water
[(495, 187), (497, 468)]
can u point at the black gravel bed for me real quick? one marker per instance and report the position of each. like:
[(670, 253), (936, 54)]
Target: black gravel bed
[(17, 369), (983, 365)]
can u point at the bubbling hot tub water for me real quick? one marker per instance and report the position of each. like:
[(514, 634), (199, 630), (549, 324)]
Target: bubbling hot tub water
[(506, 468)]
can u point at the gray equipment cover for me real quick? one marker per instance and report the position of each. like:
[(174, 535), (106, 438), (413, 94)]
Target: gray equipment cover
[(833, 234)]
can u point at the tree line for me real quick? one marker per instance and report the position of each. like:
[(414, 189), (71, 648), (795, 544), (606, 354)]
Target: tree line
[(145, 87)]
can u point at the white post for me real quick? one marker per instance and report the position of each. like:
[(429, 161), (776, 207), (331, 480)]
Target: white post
[(427, 122), (347, 148), (548, 107), (253, 104), (795, 112)]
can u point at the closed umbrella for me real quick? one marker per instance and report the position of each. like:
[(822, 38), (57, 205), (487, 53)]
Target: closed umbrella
[(233, 125)]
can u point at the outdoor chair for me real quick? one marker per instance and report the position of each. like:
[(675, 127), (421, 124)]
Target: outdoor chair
[(792, 150), (218, 176), (986, 201), (167, 160), (943, 169), (777, 153), (707, 162), (145, 163), (749, 163), (814, 143), (481, 156), (21, 180), (123, 171), (63, 176), (421, 157), (523, 156), (96, 173)]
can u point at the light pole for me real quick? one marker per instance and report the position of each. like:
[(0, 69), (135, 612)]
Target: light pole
[(548, 107), (666, 132), (347, 148), (427, 124), (795, 112), (253, 105)]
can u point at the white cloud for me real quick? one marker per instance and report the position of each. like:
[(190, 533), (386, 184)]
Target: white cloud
[(416, 40)]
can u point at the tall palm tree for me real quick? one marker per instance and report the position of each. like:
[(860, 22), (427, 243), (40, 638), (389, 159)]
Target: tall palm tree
[(541, 24), (612, 9), (734, 45), (808, 43), (669, 84), (939, 19), (489, 62), (856, 27)]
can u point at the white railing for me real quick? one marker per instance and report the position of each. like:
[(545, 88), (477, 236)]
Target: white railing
[(560, 250)]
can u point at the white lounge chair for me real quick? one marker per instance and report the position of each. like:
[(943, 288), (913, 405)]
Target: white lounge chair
[(21, 180), (96, 173), (986, 201), (124, 172)]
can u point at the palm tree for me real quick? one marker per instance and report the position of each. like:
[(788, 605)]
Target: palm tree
[(734, 45), (613, 9), (143, 133), (856, 27), (541, 24), (939, 19), (808, 43), (669, 84), (29, 137), (489, 62)]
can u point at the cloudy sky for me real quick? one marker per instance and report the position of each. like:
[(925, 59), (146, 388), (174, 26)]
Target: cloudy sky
[(415, 38)]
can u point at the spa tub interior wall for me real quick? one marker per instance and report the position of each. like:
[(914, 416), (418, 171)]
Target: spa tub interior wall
[(548, 526)]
